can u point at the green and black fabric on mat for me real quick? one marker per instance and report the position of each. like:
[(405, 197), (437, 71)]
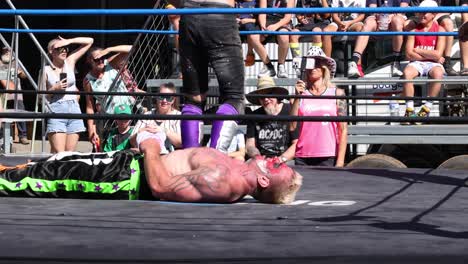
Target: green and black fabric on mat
[(112, 175)]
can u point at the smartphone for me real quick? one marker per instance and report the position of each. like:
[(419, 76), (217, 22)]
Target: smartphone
[(63, 75), (306, 64)]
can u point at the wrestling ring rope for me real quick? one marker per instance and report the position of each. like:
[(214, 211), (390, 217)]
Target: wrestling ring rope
[(341, 215)]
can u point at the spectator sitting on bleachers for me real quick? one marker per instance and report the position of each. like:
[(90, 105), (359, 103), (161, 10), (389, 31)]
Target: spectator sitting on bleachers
[(248, 22), (270, 138), (119, 137), (425, 54), (104, 69), (380, 22), (463, 41), (320, 143), (310, 22), (14, 101), (164, 105), (343, 22), (276, 22), (444, 20)]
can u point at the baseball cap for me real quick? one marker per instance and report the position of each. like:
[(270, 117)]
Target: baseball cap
[(122, 109)]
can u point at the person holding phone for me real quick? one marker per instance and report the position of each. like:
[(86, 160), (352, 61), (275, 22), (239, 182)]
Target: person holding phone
[(105, 64), (320, 143), (63, 134)]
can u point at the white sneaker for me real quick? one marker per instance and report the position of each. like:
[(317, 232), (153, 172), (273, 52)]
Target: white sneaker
[(282, 71), (396, 72), (265, 71), (353, 71)]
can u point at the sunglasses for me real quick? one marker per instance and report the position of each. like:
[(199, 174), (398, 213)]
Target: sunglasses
[(98, 60), (168, 98), (62, 49)]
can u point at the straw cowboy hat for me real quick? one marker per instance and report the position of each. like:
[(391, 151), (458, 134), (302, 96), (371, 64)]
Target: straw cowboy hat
[(317, 53), (266, 85)]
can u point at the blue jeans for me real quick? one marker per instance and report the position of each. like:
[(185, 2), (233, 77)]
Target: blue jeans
[(20, 125), (211, 39)]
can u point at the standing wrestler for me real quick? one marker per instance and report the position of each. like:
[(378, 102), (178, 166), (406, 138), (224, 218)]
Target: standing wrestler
[(210, 39), (189, 175)]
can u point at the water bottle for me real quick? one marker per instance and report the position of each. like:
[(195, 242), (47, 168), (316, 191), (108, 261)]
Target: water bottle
[(394, 107), (384, 18)]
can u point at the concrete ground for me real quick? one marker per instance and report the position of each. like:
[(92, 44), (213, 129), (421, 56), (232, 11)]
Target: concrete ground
[(17, 148)]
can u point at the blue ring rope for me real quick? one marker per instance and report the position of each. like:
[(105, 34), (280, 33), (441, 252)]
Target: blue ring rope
[(185, 11), (169, 32)]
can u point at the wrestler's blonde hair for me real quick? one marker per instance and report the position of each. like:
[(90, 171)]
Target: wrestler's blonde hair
[(287, 194)]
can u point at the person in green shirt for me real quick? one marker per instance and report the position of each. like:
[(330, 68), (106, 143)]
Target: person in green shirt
[(118, 138)]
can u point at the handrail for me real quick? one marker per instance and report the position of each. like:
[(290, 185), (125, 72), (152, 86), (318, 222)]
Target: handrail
[(201, 11), (31, 35), (337, 81)]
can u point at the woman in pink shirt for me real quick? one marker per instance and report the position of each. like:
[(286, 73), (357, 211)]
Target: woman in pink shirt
[(320, 143)]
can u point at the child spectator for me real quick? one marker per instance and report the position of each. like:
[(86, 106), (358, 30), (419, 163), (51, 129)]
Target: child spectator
[(119, 137), (425, 55), (310, 22)]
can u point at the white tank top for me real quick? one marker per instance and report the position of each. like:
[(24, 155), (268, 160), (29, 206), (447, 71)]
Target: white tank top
[(53, 78)]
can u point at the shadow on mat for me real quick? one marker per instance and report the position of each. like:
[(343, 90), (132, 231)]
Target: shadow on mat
[(413, 224), (406, 175)]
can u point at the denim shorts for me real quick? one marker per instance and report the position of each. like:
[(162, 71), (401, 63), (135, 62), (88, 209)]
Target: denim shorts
[(69, 126)]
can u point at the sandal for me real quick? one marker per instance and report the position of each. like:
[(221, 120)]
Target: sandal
[(464, 72)]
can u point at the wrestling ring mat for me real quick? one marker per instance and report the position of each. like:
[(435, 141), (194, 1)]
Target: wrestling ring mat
[(340, 216)]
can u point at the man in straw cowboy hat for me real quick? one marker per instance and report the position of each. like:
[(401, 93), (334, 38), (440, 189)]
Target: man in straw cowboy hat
[(270, 138)]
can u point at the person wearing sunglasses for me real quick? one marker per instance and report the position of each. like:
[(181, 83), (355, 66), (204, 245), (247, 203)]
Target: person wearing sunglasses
[(63, 134), (319, 143), (104, 64), (164, 104)]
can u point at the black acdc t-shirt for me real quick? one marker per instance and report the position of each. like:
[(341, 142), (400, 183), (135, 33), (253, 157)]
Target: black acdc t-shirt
[(272, 138)]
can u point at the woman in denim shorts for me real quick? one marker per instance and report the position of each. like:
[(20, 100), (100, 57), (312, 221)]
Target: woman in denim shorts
[(63, 133)]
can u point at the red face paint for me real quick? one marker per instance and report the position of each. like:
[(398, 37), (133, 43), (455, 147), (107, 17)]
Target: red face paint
[(274, 165)]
